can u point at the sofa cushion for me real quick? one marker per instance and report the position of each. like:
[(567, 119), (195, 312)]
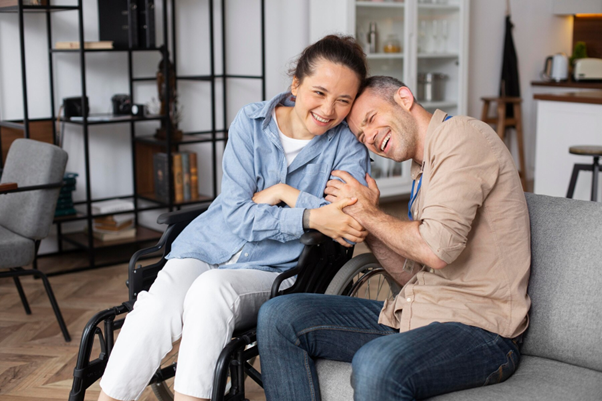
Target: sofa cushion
[(535, 379), (566, 277)]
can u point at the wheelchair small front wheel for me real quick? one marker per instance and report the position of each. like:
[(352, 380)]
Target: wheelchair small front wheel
[(364, 277)]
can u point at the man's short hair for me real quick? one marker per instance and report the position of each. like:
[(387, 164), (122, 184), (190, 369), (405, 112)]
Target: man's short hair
[(384, 86)]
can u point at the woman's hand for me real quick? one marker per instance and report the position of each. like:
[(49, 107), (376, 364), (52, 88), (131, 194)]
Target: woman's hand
[(277, 193), (330, 220)]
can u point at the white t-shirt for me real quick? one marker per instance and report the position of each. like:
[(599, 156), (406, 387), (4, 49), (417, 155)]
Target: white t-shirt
[(291, 146)]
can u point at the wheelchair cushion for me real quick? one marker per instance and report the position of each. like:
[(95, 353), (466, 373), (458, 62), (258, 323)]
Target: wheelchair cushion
[(16, 251)]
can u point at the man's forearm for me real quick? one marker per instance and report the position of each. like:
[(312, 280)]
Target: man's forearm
[(391, 261), (400, 237)]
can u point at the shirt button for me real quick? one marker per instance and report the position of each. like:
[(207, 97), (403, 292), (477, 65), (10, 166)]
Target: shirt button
[(246, 254), (409, 299)]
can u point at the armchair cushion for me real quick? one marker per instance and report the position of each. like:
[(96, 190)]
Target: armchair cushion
[(16, 251)]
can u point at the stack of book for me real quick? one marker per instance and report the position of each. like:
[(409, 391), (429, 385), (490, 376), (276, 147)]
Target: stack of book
[(116, 227), (64, 205), (185, 176)]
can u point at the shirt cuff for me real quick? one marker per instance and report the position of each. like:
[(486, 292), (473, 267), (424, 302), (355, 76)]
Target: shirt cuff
[(433, 239), (291, 222)]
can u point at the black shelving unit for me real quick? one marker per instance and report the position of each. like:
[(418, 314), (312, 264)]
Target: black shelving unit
[(87, 243)]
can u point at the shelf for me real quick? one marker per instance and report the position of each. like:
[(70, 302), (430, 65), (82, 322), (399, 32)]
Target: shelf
[(143, 234), (441, 7), (151, 197), (109, 119), (384, 56), (153, 49), (438, 55), (384, 4), (37, 9), (187, 139)]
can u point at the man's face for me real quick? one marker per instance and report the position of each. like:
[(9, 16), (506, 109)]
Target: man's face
[(386, 129)]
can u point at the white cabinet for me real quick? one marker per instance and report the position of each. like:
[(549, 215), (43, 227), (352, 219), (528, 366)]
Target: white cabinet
[(433, 35), (569, 7)]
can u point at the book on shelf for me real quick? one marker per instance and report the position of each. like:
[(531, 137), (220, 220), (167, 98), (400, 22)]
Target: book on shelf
[(104, 235), (177, 174), (161, 176), (146, 23), (186, 175), (112, 206), (14, 3), (194, 176), (118, 22), (103, 224), (103, 44)]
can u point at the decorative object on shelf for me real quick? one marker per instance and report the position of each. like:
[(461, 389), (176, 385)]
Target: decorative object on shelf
[(372, 38), (392, 44), (104, 44), (431, 87), (122, 104), (72, 107), (64, 205), (579, 51), (168, 96), (138, 110)]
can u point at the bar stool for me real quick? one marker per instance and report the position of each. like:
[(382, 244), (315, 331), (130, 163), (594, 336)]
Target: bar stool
[(502, 122), (596, 152)]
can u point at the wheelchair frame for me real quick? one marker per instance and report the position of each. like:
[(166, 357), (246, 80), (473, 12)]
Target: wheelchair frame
[(318, 263)]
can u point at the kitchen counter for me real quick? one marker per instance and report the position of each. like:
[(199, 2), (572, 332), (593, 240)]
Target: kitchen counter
[(591, 97), (565, 120), (569, 84)]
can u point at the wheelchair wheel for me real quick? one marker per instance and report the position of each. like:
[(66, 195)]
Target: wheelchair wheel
[(363, 277)]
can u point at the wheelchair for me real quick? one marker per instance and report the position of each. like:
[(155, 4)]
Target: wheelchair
[(324, 266)]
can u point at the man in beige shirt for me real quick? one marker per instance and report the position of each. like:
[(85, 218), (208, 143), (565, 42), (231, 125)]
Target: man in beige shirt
[(464, 257)]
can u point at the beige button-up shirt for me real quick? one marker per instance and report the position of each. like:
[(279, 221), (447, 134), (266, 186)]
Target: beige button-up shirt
[(474, 217)]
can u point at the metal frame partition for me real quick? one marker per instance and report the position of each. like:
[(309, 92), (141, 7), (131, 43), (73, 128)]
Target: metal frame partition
[(87, 243)]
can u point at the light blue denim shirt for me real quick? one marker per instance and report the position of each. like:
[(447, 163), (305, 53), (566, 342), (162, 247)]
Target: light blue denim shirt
[(254, 160)]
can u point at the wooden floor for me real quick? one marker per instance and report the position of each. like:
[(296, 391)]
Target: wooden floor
[(35, 362)]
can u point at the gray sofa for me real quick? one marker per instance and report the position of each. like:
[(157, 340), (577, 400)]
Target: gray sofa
[(562, 349)]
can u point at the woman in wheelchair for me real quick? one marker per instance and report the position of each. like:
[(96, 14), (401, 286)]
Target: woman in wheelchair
[(221, 267)]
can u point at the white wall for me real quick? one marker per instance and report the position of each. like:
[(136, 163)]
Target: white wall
[(537, 33)]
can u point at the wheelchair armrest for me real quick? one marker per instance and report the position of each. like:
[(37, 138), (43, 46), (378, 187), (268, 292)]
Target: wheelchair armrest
[(180, 216), (313, 237)]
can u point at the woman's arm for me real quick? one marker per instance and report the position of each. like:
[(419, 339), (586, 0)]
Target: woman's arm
[(247, 219)]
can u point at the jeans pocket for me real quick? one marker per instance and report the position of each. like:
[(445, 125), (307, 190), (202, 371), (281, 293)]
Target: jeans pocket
[(505, 370)]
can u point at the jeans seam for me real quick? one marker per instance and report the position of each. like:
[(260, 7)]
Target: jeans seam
[(500, 368), (341, 328), (309, 376)]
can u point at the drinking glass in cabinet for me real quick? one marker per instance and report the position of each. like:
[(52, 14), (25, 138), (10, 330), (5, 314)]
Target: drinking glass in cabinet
[(435, 35), (444, 35), (422, 48), (392, 44)]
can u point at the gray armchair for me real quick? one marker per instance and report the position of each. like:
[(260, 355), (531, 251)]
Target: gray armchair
[(26, 213)]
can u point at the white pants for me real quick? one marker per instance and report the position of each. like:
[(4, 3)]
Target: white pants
[(192, 300)]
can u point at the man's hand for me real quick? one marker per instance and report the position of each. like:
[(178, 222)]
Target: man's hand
[(367, 197), (330, 220)]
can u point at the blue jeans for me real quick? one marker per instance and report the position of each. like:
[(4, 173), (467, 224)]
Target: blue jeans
[(294, 330)]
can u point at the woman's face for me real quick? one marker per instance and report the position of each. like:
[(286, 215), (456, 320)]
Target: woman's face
[(323, 99)]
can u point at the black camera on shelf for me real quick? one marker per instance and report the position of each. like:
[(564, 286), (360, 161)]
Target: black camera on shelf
[(122, 105), (72, 107)]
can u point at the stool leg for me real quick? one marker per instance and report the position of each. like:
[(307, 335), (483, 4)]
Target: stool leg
[(573, 182), (501, 119), (485, 112), (595, 171), (519, 140)]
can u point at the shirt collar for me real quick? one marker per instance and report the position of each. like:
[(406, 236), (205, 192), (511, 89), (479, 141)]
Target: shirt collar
[(436, 120)]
